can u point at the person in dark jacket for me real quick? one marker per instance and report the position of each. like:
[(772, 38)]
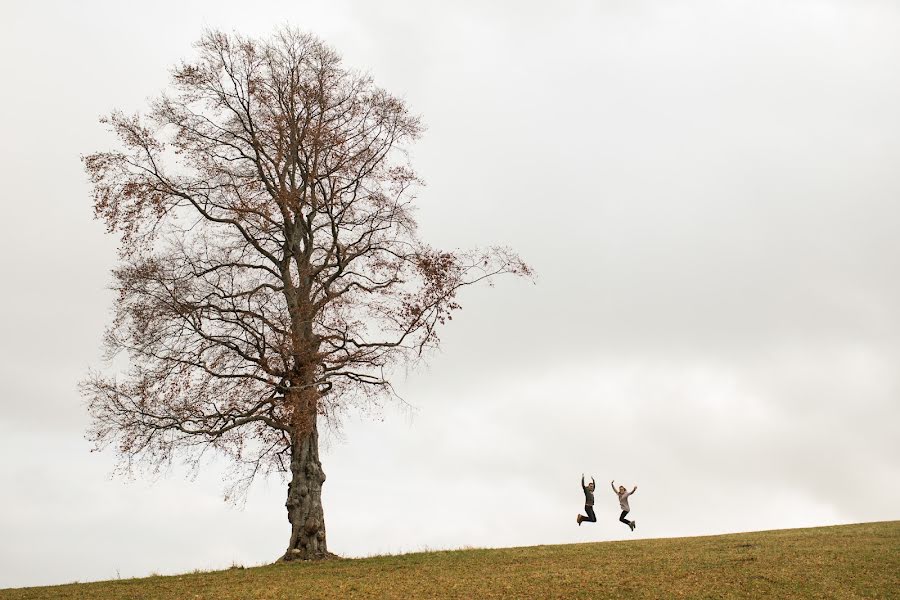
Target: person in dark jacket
[(588, 502)]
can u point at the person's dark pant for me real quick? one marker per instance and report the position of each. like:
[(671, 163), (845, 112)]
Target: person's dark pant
[(591, 517), (623, 519)]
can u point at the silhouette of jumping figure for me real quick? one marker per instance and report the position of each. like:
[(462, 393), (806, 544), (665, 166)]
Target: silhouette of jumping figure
[(623, 503), (588, 502)]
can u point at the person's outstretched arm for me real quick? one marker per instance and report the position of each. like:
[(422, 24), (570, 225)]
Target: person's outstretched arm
[(613, 484), (582, 481), (632, 491)]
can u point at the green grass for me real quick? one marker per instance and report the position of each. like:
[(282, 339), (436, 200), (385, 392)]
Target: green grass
[(849, 561)]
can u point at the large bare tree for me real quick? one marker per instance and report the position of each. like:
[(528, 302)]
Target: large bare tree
[(269, 271)]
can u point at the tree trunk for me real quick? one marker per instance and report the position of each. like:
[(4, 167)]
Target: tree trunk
[(304, 499)]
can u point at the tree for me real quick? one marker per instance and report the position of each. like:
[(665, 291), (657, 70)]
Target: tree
[(269, 270)]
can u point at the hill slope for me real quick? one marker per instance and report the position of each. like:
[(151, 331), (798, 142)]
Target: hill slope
[(849, 561)]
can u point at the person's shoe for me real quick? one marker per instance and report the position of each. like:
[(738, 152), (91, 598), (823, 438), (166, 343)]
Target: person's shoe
[(579, 519), (633, 525)]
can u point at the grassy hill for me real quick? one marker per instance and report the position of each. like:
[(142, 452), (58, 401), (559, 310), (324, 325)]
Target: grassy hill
[(849, 561)]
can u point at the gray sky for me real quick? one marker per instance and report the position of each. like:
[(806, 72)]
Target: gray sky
[(708, 191)]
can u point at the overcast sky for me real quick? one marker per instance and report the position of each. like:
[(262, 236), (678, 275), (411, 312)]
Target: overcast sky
[(708, 191)]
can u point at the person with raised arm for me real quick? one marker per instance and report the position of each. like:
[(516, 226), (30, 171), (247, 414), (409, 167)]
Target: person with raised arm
[(588, 502), (623, 502)]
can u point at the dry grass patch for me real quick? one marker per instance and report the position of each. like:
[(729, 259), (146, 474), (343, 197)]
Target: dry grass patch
[(850, 561)]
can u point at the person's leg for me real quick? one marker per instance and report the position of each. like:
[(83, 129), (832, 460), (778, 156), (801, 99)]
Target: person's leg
[(591, 517), (623, 519)]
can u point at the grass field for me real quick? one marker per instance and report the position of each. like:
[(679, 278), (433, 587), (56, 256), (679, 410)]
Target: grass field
[(849, 561)]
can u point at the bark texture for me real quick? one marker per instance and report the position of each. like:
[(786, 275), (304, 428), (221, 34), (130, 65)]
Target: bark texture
[(304, 499)]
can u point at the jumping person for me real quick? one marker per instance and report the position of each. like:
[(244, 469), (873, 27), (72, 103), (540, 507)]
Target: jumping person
[(588, 502), (623, 502)]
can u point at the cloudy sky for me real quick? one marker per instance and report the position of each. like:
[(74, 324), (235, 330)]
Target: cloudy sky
[(707, 190)]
